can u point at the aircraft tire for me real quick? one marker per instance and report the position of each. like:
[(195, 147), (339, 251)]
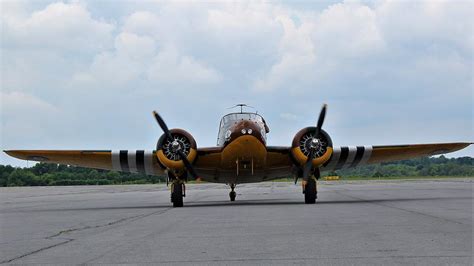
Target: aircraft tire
[(310, 192), (177, 195), (232, 195)]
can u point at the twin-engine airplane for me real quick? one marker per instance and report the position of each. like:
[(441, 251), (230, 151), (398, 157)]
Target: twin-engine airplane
[(241, 156)]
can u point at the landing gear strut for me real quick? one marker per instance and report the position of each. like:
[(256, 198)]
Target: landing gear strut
[(232, 193)]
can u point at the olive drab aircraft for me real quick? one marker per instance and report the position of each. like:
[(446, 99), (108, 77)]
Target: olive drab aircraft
[(241, 156)]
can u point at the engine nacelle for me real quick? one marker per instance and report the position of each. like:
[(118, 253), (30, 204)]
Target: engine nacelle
[(166, 153), (301, 146)]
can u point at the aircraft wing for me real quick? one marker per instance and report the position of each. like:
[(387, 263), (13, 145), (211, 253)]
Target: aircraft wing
[(348, 157), (132, 161), (279, 162)]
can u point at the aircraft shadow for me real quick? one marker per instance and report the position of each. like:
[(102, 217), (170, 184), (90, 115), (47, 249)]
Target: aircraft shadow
[(300, 202), (257, 202)]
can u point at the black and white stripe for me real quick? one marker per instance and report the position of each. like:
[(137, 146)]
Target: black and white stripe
[(139, 161), (348, 157)]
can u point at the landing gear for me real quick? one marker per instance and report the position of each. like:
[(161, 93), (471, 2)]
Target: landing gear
[(310, 191), (178, 190), (232, 193), (177, 193)]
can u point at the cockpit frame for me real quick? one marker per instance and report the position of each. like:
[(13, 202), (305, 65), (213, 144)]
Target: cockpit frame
[(231, 119)]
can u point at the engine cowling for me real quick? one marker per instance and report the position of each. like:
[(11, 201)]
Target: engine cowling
[(301, 145), (166, 153)]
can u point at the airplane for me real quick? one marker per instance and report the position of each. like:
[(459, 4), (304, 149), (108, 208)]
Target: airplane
[(241, 156)]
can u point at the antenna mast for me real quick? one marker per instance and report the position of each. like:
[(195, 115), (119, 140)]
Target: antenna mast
[(241, 105)]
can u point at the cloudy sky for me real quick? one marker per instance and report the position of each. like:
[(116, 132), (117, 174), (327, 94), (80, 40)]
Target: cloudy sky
[(87, 74)]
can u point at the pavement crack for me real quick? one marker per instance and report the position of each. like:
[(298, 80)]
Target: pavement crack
[(167, 228), (36, 251), (67, 240), (131, 218)]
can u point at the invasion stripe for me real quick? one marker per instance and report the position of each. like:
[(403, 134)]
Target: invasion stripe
[(342, 157), (124, 161), (350, 157), (149, 162), (331, 163), (367, 154), (116, 161), (132, 163), (141, 161), (358, 156)]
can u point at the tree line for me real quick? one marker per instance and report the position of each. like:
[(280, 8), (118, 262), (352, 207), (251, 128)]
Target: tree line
[(43, 174), (424, 166)]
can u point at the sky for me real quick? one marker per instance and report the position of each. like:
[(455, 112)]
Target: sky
[(87, 74)]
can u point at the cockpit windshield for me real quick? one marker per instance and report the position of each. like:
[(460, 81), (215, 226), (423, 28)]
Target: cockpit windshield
[(231, 119)]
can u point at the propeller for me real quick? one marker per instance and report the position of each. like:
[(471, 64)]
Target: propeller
[(175, 146), (313, 145)]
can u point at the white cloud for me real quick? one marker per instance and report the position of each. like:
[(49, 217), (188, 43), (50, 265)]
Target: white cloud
[(136, 59), (68, 27), (318, 46), (424, 23), (25, 114), (141, 22), (297, 56), (131, 56), (171, 68), (238, 21), (347, 30), (18, 102), (352, 39)]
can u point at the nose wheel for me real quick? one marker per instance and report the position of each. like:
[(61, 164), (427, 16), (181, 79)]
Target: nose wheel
[(232, 193)]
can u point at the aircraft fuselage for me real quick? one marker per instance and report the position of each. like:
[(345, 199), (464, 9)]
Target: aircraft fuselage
[(244, 146)]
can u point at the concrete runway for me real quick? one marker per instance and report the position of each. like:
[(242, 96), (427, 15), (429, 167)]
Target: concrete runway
[(354, 223)]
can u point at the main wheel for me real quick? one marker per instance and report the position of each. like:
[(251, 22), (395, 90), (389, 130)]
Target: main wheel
[(177, 195), (310, 192), (232, 195)]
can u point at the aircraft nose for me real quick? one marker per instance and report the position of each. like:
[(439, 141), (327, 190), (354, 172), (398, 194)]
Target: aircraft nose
[(247, 128)]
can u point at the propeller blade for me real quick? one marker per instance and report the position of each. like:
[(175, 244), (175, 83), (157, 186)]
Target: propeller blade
[(188, 165), (162, 124), (322, 115)]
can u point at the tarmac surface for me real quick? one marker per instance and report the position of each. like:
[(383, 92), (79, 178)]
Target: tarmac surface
[(425, 222)]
